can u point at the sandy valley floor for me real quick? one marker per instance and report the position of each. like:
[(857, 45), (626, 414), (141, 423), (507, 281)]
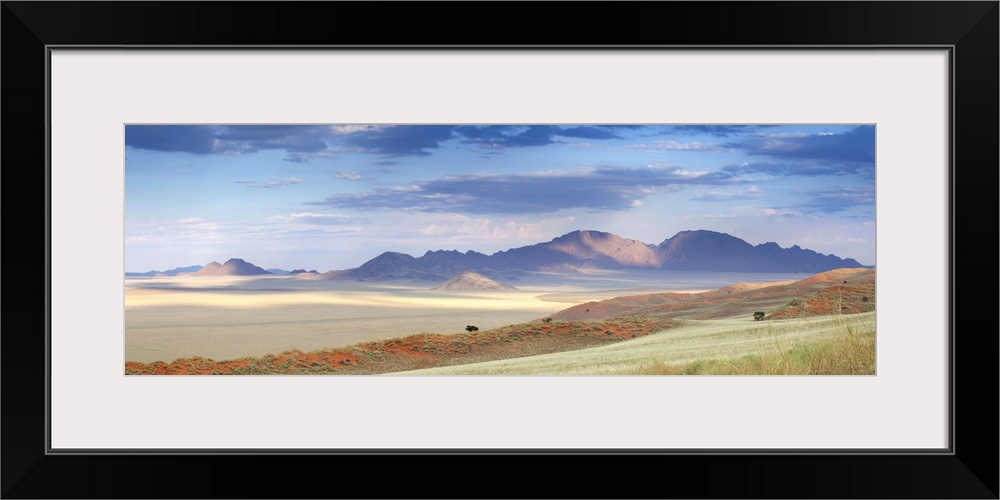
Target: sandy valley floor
[(229, 317)]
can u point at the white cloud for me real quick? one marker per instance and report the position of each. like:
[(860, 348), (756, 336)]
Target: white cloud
[(749, 194), (771, 212), (434, 229), (272, 183), (483, 229), (186, 229), (349, 176), (676, 146), (785, 135), (353, 129), (765, 212), (310, 218), (689, 173), (314, 215)]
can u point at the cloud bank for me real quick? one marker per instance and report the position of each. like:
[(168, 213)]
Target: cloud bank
[(598, 189)]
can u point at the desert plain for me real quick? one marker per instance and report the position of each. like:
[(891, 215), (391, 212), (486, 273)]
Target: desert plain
[(224, 317), (587, 322)]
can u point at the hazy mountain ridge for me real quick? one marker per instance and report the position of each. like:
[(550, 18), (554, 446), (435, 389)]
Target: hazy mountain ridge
[(699, 250), (712, 251), (687, 250), (172, 272)]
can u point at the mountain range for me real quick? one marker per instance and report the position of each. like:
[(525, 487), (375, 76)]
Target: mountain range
[(686, 251)]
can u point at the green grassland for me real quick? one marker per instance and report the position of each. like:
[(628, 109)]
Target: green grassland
[(831, 344)]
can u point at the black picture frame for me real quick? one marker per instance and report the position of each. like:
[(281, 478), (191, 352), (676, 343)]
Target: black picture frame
[(969, 470)]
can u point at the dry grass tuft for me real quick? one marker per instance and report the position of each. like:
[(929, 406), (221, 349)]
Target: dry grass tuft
[(850, 352)]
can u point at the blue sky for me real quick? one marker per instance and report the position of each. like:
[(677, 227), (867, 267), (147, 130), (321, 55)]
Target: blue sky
[(333, 196)]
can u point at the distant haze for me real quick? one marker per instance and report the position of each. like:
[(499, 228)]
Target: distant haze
[(332, 197)]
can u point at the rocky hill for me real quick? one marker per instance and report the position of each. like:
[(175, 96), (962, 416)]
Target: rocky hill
[(232, 267)]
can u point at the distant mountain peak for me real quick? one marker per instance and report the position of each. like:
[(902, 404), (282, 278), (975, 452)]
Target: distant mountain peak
[(589, 236), (602, 250), (701, 234), (584, 233)]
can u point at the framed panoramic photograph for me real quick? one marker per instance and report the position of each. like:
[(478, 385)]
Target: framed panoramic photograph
[(713, 254), (421, 230), (513, 260)]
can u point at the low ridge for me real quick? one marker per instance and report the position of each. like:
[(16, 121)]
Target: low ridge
[(469, 280), (232, 267)]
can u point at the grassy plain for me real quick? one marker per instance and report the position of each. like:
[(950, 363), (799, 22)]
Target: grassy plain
[(727, 346), (552, 325)]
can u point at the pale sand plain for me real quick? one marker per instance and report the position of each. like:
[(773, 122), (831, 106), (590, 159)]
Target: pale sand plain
[(228, 317)]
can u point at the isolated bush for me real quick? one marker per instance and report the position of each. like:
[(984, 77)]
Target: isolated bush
[(471, 328), (759, 315)]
